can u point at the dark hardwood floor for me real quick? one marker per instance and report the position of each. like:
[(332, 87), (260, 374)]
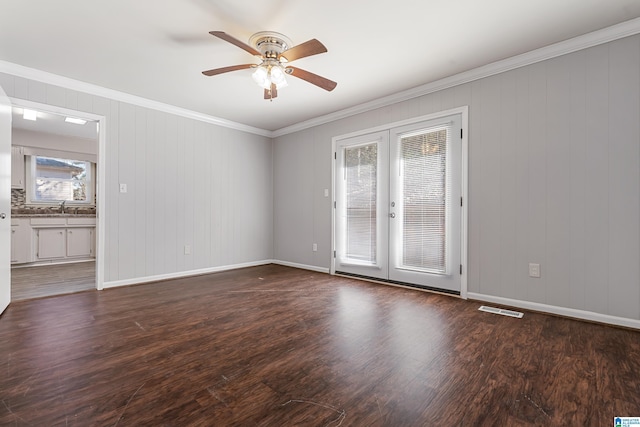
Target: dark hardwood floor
[(56, 279), (277, 346)]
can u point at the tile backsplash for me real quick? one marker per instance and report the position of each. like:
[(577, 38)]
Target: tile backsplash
[(19, 199)]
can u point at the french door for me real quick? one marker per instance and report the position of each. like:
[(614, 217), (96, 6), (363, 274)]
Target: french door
[(398, 212)]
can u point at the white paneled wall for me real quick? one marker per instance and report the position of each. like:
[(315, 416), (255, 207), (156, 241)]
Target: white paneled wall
[(188, 183), (554, 179)]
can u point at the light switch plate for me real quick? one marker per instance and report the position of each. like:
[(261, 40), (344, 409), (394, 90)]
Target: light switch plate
[(534, 270)]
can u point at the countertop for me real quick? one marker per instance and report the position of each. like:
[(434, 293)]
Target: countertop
[(52, 215)]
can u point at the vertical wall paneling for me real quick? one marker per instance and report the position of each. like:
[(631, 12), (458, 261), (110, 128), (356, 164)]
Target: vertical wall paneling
[(180, 198), (488, 154), (149, 194), (140, 186), (126, 173), (220, 203), (536, 228), (321, 204), (624, 175), (507, 183), (71, 100), (7, 82), (579, 195), (56, 96), (20, 88), (171, 205), (200, 239), (37, 91), (597, 179), (82, 101), (558, 181), (159, 163), (189, 191), (112, 243), (523, 145)]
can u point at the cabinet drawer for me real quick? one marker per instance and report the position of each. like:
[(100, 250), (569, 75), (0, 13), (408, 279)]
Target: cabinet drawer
[(48, 221), (81, 221)]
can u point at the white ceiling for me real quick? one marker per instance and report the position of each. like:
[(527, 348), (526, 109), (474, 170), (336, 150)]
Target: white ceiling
[(47, 122), (158, 49)]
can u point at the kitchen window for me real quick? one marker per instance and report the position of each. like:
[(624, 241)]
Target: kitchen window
[(53, 180)]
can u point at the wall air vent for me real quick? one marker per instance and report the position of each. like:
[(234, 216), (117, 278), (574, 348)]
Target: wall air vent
[(502, 311)]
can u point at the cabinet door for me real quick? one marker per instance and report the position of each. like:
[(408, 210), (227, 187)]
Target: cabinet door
[(20, 242), (14, 251), (17, 167), (51, 243), (79, 242)]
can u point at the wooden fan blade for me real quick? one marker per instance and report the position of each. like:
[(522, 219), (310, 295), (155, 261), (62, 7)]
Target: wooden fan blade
[(217, 71), (308, 48), (315, 79), (234, 41), (271, 93)]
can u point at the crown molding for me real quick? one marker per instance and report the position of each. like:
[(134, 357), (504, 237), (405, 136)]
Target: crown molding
[(68, 83), (615, 32)]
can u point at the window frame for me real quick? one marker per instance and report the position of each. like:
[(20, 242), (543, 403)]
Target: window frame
[(30, 187)]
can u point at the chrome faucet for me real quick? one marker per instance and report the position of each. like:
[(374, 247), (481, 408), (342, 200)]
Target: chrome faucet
[(62, 206)]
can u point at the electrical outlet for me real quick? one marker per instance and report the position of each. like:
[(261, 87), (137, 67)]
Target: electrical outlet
[(123, 188), (534, 270)]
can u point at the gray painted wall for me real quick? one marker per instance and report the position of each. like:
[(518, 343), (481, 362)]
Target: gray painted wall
[(189, 183), (554, 178)]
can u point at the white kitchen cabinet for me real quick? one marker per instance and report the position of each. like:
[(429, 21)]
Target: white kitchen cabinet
[(79, 242), (63, 238), (52, 243), (17, 167), (20, 241)]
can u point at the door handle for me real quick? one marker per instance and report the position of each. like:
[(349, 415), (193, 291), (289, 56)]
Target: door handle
[(392, 215), (3, 215)]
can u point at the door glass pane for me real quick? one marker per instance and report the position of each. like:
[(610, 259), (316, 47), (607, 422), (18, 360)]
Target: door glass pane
[(423, 158), (361, 201)]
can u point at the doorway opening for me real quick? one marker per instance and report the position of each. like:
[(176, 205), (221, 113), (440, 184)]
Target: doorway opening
[(55, 200)]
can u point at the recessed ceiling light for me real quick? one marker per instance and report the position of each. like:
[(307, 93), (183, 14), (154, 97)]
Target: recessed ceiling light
[(75, 121), (29, 114)]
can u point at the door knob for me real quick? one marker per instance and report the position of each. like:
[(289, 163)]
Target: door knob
[(392, 215), (3, 215)]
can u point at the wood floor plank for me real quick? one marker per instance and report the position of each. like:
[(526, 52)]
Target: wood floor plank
[(277, 346), (28, 282)]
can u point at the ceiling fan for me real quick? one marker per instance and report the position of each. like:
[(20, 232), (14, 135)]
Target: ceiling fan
[(275, 52)]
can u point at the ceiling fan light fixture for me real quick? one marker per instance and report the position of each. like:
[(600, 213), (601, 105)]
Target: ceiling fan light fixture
[(261, 77), (277, 76)]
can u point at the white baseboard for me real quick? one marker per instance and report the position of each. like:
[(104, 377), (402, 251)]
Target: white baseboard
[(302, 266), (180, 274), (561, 311)]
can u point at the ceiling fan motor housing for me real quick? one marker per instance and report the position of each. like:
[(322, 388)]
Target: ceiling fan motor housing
[(270, 44)]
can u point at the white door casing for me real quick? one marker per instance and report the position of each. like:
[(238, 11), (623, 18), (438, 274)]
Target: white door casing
[(5, 201)]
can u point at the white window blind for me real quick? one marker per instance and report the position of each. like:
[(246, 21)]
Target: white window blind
[(361, 202), (425, 198)]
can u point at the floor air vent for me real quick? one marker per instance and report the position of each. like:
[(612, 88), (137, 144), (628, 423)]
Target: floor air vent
[(502, 311)]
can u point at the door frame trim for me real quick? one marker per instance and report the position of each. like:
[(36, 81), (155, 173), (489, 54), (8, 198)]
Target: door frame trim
[(100, 178), (464, 112)]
